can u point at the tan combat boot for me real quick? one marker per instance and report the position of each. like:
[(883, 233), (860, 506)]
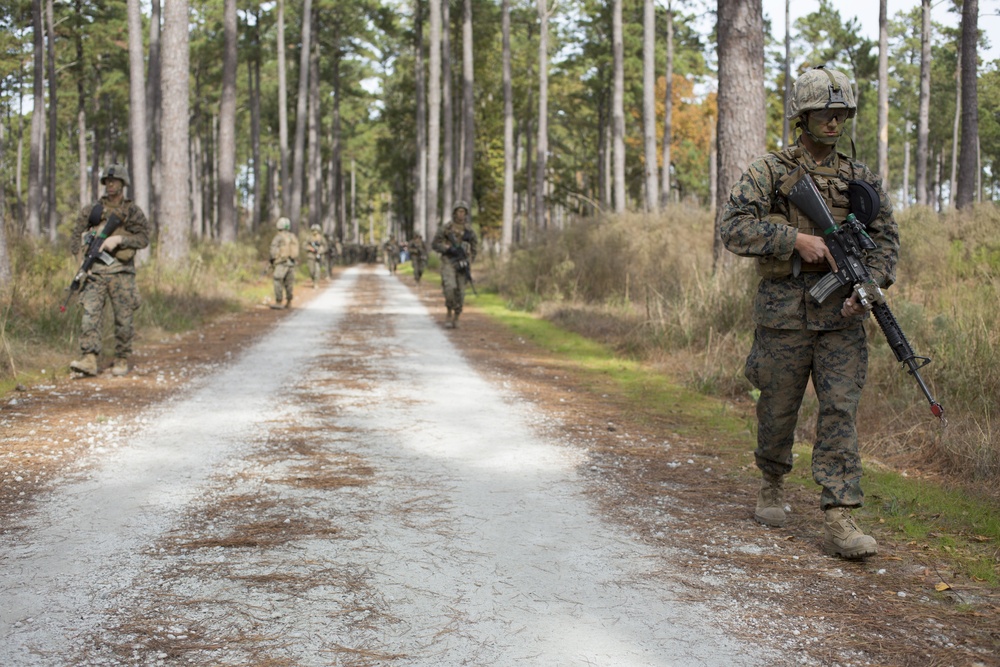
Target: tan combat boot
[(450, 322), (288, 302), (771, 502), (87, 365), (454, 322), (844, 538), (120, 367)]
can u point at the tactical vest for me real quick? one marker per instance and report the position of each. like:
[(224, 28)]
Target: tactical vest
[(832, 183)]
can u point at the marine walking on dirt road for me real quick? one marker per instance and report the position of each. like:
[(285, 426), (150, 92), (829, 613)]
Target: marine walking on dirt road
[(418, 256), (284, 256), (316, 251), (798, 338), (458, 246), (112, 276)]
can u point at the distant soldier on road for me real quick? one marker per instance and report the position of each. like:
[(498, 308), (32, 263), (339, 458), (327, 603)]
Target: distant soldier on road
[(284, 255), (112, 278), (418, 256), (458, 246), (316, 250), (391, 249)]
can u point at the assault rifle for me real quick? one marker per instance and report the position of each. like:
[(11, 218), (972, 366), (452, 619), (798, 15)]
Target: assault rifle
[(461, 262), (93, 254), (846, 243)]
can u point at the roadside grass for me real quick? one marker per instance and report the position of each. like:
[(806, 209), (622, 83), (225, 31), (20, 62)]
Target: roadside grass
[(950, 523), (37, 339)]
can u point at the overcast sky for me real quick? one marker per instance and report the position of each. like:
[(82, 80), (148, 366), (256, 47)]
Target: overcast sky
[(866, 11)]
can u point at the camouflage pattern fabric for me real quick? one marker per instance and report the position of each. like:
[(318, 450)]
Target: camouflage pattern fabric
[(418, 257), (134, 230), (316, 251), (391, 255), (780, 364), (120, 289), (284, 252), (797, 338), (452, 282)]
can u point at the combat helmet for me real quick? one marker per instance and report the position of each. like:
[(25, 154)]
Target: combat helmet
[(461, 204), (316, 228), (821, 88), (116, 171), (284, 224)]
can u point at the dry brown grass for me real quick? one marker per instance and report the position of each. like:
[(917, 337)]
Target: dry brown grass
[(646, 286)]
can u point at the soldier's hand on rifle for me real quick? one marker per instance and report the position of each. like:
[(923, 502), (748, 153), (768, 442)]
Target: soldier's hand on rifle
[(111, 243), (813, 249), (852, 306)]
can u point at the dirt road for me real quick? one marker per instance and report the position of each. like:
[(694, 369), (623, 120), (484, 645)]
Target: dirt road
[(348, 490)]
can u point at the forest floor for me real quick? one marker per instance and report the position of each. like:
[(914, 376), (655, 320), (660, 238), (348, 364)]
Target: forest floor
[(630, 527)]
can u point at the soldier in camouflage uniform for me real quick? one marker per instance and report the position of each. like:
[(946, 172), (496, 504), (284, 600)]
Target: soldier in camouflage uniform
[(457, 243), (112, 277), (796, 337), (316, 253), (284, 255), (418, 256), (391, 249)]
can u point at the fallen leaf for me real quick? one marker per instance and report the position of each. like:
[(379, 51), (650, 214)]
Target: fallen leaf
[(942, 587)]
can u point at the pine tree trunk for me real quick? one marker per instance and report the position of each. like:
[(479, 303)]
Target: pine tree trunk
[(468, 81), (507, 229), (618, 108), (883, 94), (175, 212), (742, 115), (433, 115), (420, 169), (649, 103), (668, 110), (227, 128), (315, 172), (154, 101), (447, 113), (5, 267), (51, 213), (37, 125), (924, 112), (294, 212), (968, 167), (253, 89), (138, 125), (284, 176), (542, 147), (785, 125), (81, 117)]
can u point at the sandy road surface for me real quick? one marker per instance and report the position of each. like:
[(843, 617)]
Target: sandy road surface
[(347, 492)]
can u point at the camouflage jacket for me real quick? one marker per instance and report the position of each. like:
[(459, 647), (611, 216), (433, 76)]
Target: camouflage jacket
[(134, 230), (451, 234), (284, 248), (417, 248), (316, 246), (747, 230)]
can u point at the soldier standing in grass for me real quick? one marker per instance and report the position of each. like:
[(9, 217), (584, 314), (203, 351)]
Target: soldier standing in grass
[(458, 246), (284, 254), (418, 256), (316, 252), (796, 337), (112, 277)]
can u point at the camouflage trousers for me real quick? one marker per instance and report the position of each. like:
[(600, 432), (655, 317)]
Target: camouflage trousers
[(780, 365), (418, 263), (284, 281), (453, 285), (120, 289), (317, 268)]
